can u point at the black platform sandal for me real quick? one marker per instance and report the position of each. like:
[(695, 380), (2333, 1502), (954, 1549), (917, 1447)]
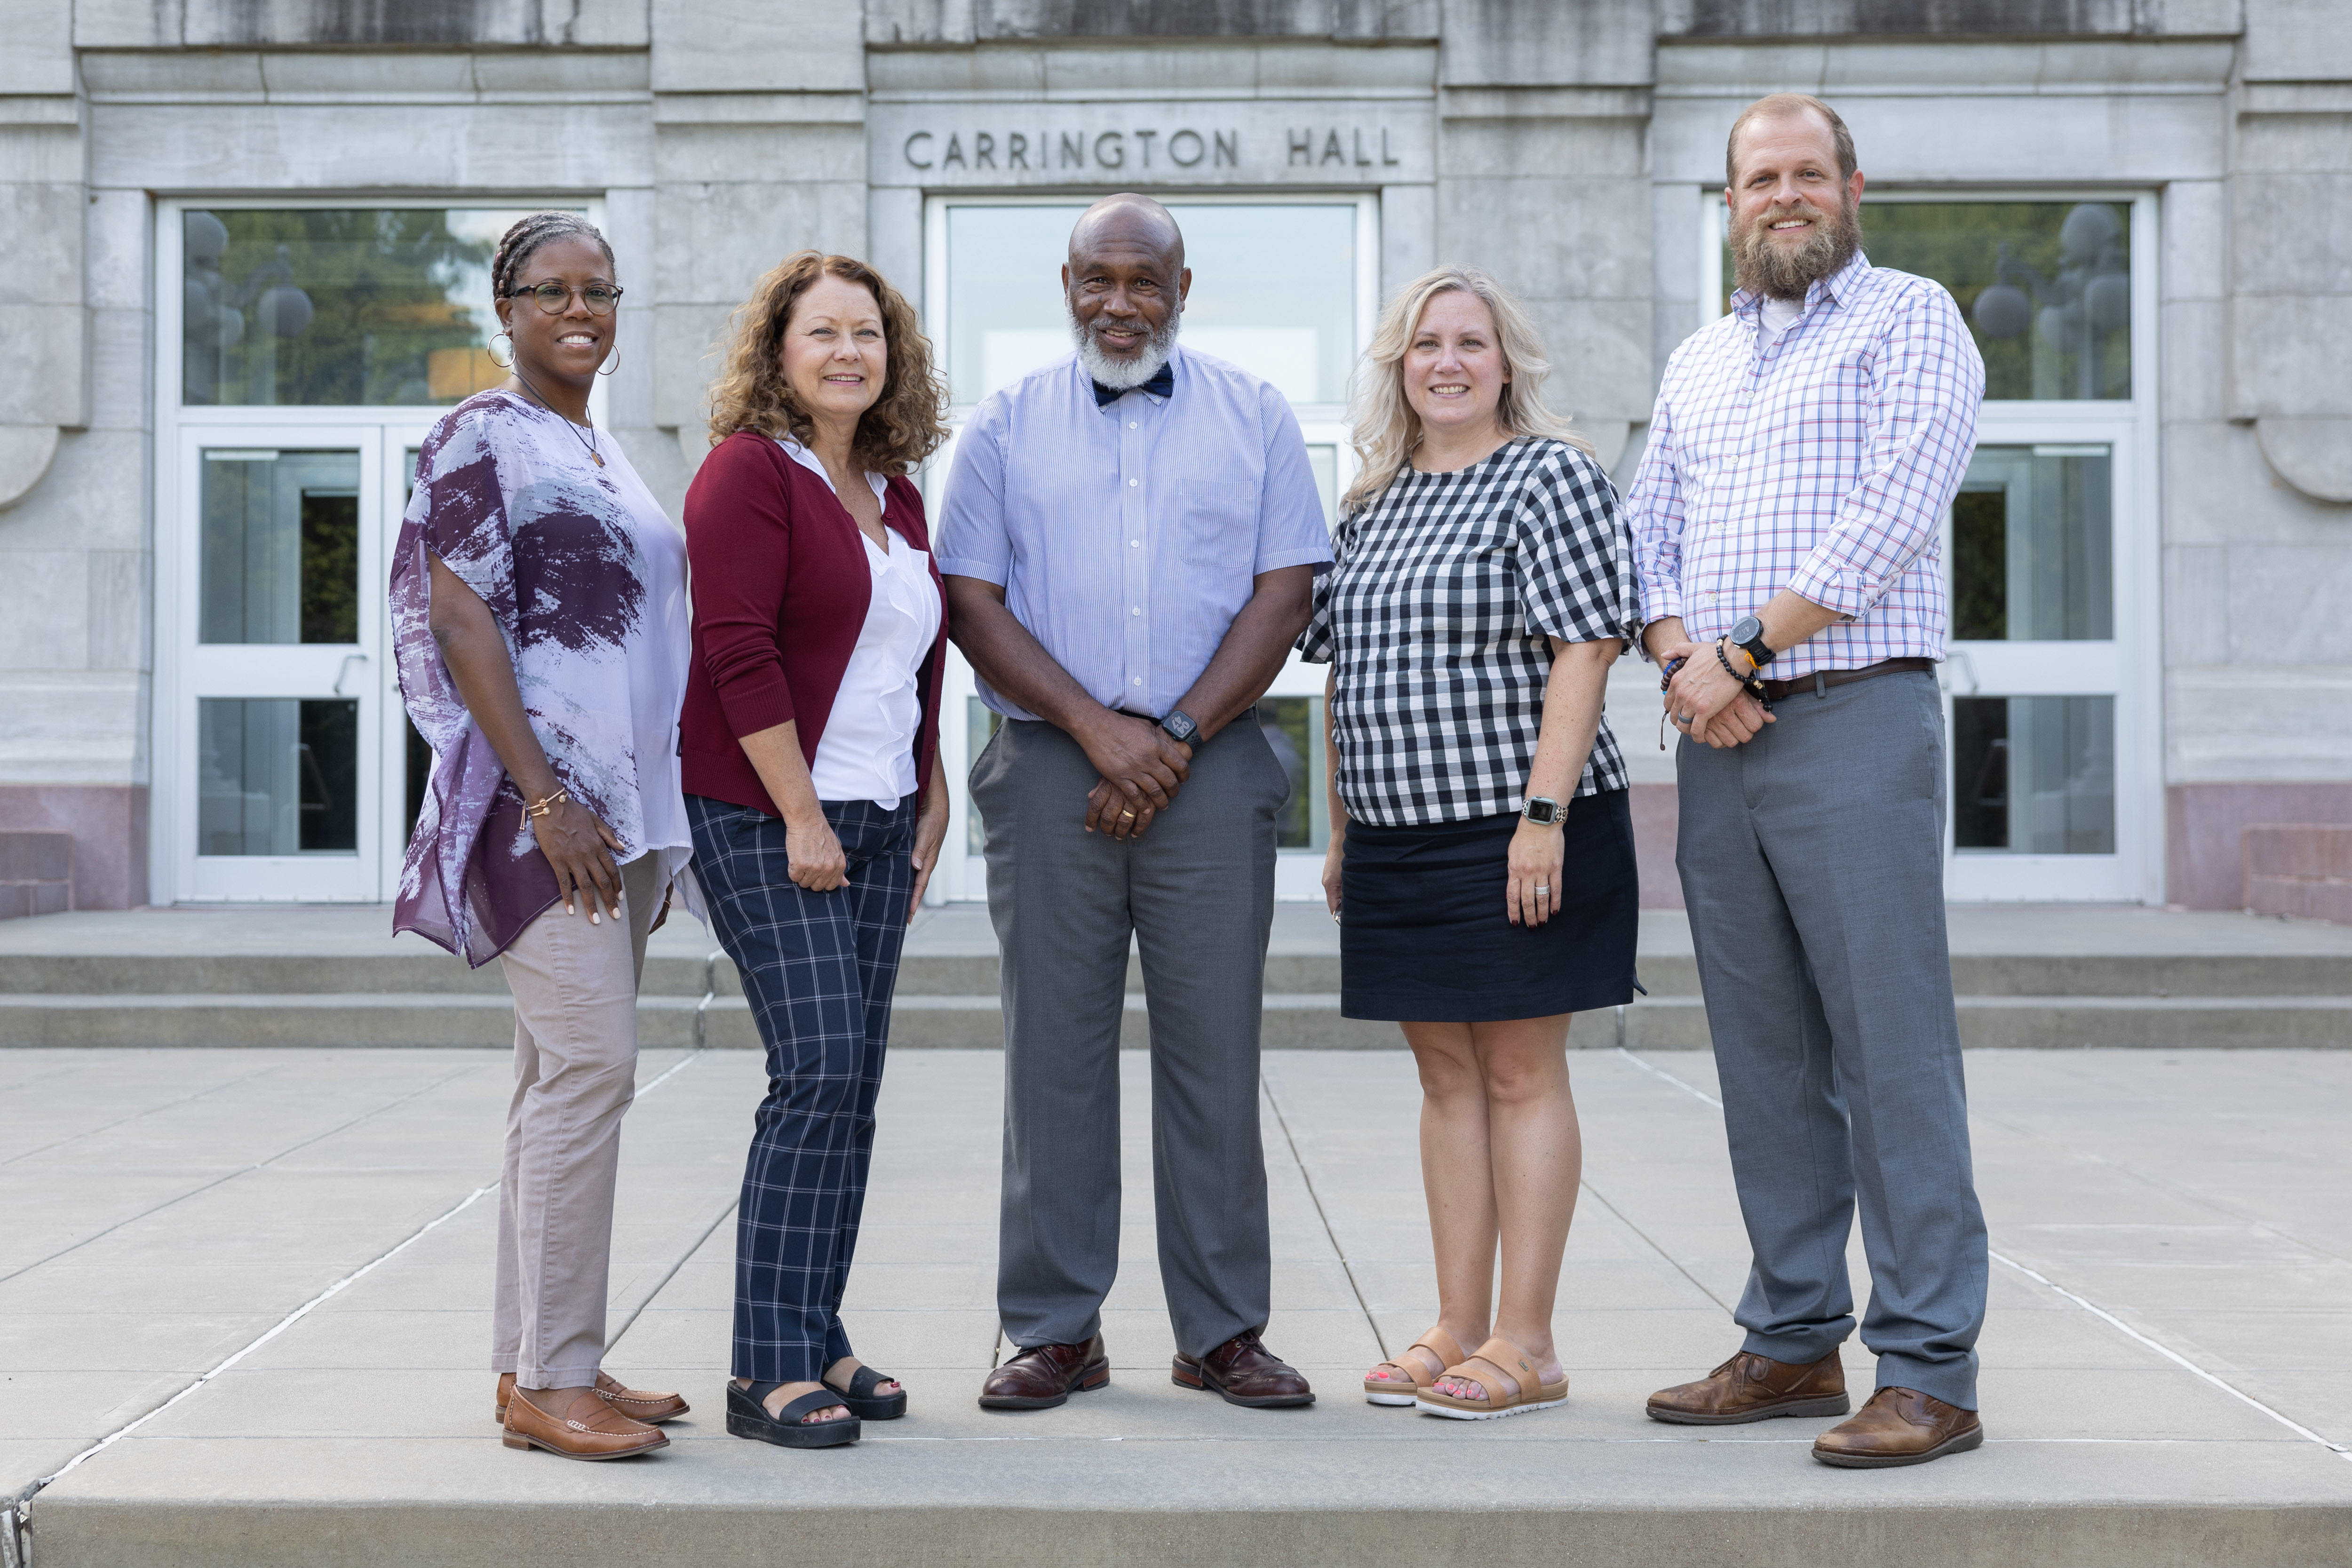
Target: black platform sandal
[(747, 1416), (861, 1401)]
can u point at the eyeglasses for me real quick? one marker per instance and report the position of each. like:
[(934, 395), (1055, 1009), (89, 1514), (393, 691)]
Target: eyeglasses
[(556, 297)]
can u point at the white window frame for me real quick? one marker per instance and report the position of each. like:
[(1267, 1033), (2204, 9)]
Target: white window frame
[(171, 853)]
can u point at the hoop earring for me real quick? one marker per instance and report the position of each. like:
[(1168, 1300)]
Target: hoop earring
[(492, 350), (611, 364)]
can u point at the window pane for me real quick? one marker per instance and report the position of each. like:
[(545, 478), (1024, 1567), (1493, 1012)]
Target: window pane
[(1273, 291), (2045, 286), (277, 775), (2034, 775), (2031, 539), (980, 727), (1293, 726), (354, 305), (280, 546)]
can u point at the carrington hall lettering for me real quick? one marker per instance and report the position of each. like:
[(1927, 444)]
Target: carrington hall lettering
[(1315, 147)]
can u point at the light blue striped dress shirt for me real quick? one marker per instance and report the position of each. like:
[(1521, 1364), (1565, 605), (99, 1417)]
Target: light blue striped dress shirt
[(1125, 536)]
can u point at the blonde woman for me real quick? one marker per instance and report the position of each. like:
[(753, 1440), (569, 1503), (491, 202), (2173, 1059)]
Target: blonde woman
[(1482, 856)]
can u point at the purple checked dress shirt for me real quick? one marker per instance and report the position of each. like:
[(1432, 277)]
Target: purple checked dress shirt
[(1823, 463)]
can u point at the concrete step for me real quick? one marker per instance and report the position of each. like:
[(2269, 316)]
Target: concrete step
[(973, 1021), (2019, 975)]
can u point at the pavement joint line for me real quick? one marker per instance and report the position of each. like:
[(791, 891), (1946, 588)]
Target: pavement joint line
[(150, 1111), (1317, 1199), (2340, 1450), (24, 1504), (1627, 1220), (241, 1170), (663, 1284)]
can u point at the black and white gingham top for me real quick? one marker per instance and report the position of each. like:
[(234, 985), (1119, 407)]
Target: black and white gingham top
[(1436, 617)]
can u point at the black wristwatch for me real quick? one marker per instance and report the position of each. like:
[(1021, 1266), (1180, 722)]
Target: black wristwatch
[(1542, 810), (1180, 724), (1747, 636)]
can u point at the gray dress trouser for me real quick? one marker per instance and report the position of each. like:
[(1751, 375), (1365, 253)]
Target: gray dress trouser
[(1196, 892), (1812, 861)]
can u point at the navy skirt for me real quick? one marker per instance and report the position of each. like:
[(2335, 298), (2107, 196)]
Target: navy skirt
[(1424, 936)]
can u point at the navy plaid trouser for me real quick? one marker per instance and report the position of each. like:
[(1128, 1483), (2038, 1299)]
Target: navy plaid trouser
[(818, 969)]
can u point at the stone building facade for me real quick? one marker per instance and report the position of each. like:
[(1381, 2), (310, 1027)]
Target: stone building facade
[(219, 348)]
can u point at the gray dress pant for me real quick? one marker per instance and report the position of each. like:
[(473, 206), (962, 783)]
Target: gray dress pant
[(1196, 893), (1812, 861)]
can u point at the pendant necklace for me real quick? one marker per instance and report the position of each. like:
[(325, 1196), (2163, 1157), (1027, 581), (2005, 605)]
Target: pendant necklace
[(587, 441)]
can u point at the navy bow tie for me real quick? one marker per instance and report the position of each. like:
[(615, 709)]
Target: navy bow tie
[(1161, 384)]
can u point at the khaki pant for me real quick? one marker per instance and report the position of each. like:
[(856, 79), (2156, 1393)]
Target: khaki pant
[(575, 995)]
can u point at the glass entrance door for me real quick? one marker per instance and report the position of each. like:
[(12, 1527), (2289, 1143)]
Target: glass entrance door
[(278, 708)]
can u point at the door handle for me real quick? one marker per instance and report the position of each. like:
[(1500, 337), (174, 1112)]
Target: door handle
[(1944, 676), (343, 670)]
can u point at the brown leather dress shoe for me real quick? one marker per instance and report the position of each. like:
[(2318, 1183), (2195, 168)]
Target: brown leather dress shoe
[(1899, 1426), (589, 1429), (1243, 1372), (1043, 1376), (635, 1403), (1751, 1388)]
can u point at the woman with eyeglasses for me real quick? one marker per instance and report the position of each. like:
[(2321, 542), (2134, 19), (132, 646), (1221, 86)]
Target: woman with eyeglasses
[(540, 617)]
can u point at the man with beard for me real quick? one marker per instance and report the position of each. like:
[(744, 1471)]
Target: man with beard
[(1130, 541), (1785, 521)]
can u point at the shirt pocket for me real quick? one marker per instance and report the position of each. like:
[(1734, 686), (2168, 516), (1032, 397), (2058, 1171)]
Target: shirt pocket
[(1218, 520)]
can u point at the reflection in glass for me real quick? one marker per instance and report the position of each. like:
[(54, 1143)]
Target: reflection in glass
[(1293, 726), (1273, 291), (1324, 462), (2034, 775), (280, 546), (354, 305), (2032, 546), (2045, 286), (980, 722), (277, 775)]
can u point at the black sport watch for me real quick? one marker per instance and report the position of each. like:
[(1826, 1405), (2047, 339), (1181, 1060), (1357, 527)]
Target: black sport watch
[(1747, 636), (1180, 724)]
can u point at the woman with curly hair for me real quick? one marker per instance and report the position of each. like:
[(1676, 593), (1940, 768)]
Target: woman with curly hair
[(810, 740)]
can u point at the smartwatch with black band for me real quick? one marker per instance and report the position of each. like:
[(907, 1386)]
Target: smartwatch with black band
[(1747, 636), (1180, 724)]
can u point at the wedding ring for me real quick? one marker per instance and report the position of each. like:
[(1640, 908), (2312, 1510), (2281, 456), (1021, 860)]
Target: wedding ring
[(1127, 814)]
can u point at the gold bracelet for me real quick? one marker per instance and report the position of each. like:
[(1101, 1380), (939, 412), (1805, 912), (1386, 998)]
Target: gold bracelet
[(541, 807)]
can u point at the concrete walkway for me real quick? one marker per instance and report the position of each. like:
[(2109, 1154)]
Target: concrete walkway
[(168, 1210)]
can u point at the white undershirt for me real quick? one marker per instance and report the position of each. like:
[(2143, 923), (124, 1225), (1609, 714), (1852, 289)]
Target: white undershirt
[(1776, 316), (868, 749)]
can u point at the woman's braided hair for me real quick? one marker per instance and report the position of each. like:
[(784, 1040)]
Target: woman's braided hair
[(528, 234)]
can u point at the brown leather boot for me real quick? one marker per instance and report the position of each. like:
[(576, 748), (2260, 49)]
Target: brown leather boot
[(589, 1429), (1899, 1426), (1751, 1388), (637, 1403)]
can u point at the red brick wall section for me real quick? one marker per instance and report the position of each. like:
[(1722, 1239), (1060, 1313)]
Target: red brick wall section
[(2300, 869), (2205, 833)]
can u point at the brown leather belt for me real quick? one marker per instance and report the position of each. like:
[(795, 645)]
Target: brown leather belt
[(1821, 681)]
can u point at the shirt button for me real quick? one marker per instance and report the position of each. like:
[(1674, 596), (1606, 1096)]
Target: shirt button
[(1130, 424), (1137, 611), (1139, 680), (1135, 545), (1133, 483)]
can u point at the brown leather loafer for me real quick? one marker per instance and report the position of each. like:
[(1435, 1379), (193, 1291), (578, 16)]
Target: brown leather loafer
[(635, 1403), (1899, 1426), (1243, 1372), (589, 1429), (1751, 1388), (1043, 1376)]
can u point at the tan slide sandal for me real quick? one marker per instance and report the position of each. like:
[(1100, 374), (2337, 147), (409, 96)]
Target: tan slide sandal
[(1396, 1390), (1497, 1361)]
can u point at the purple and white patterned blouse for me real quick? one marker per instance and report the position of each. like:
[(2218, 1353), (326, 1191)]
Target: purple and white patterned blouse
[(586, 578)]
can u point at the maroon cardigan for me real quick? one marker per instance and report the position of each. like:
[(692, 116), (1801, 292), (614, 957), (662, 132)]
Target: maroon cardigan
[(780, 587)]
